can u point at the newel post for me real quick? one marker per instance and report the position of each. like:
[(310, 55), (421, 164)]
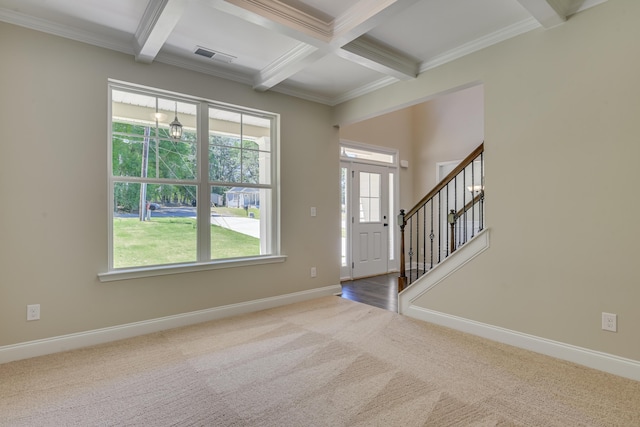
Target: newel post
[(402, 280)]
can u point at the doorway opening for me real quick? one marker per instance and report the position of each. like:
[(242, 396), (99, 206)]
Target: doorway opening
[(368, 179)]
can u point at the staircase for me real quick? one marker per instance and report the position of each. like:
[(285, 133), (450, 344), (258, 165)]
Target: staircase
[(449, 217)]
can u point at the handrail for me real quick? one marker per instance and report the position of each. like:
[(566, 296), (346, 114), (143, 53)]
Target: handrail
[(470, 204), (428, 242), (443, 183)]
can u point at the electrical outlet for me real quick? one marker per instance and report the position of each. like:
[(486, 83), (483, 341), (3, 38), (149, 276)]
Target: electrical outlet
[(314, 273), (610, 322), (33, 312), (314, 211)]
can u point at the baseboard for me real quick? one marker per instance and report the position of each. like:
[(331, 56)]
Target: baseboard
[(612, 364), (61, 343)]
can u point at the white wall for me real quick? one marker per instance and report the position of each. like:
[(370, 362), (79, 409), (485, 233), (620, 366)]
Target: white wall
[(392, 130), (561, 145), (53, 189), (446, 128)]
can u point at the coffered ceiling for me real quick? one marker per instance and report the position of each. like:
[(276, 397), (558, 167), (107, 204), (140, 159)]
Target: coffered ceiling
[(327, 51)]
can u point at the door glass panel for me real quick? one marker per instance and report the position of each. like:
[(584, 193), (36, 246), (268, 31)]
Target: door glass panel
[(370, 190), (391, 216), (368, 155), (343, 215)]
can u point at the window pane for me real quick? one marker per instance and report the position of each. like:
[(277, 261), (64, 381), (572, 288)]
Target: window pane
[(343, 213), (237, 220), (375, 189), (141, 145), (370, 190), (364, 184), (250, 145), (127, 155), (251, 135), (224, 164), (224, 140), (131, 129), (355, 153), (374, 204), (160, 231), (224, 122), (154, 220), (392, 215), (251, 166), (172, 159)]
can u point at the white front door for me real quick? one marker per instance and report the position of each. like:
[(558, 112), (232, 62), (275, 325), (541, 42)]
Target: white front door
[(370, 220)]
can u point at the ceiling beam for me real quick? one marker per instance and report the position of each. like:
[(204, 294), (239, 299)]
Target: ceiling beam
[(364, 16), (371, 54), (319, 38), (548, 13), (159, 19), (284, 67), (279, 17)]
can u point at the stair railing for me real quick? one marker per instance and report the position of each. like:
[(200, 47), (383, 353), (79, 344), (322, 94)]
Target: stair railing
[(446, 218)]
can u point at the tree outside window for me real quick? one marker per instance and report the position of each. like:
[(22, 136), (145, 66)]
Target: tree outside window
[(161, 209)]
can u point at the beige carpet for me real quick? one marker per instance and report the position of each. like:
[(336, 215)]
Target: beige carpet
[(326, 362)]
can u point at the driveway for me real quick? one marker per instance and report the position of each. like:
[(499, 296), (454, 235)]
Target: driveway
[(248, 226)]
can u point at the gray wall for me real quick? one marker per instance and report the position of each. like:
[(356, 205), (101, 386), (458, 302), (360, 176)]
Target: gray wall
[(53, 187), (561, 139)]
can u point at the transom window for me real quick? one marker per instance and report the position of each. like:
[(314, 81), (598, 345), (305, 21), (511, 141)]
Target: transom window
[(207, 196)]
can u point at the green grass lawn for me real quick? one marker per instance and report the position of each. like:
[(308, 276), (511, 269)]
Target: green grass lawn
[(172, 240)]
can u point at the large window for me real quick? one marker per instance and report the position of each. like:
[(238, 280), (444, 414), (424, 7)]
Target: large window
[(205, 197)]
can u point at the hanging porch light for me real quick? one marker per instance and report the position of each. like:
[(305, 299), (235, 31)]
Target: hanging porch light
[(175, 127)]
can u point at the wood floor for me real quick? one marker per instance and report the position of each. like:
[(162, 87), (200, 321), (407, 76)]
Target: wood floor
[(379, 291)]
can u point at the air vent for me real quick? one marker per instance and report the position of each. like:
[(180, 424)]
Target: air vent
[(212, 54)]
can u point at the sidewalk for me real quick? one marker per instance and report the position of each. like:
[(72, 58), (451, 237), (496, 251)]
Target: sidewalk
[(248, 226)]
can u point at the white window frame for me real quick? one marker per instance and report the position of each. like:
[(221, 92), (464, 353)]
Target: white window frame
[(270, 235)]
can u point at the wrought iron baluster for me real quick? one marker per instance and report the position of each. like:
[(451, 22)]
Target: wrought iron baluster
[(482, 191), (455, 208), (424, 239), (418, 243), (451, 218), (464, 206), (439, 226), (473, 197), (411, 250), (431, 237), (447, 233)]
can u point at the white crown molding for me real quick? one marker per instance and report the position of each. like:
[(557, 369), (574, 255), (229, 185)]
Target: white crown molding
[(451, 55), (286, 89), (127, 47), (192, 65), (58, 344), (481, 43), (363, 90), (42, 25)]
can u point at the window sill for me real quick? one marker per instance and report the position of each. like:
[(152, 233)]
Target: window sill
[(164, 270)]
